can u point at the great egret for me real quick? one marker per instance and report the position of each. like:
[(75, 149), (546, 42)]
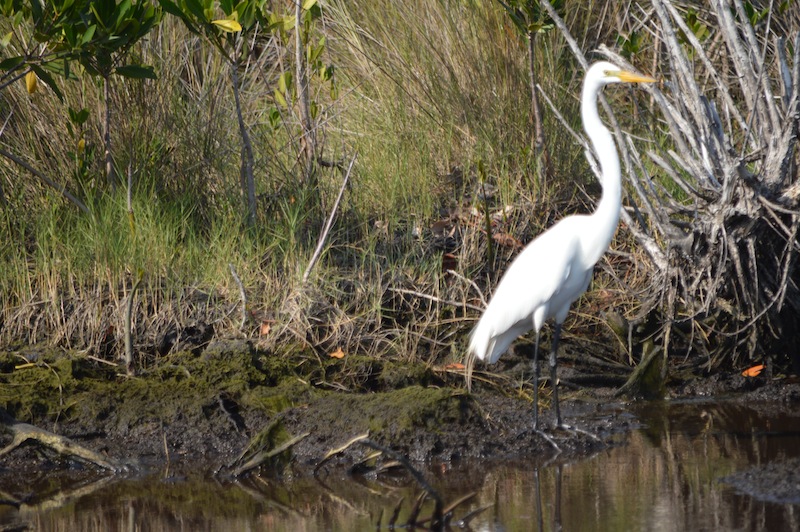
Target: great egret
[(555, 269)]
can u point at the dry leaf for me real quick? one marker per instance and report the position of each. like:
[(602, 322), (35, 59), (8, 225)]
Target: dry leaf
[(337, 354), (442, 228), (504, 239), (502, 213), (31, 82), (755, 371), (449, 262), (264, 329), (455, 365)]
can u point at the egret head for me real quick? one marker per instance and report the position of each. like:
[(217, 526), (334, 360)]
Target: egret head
[(604, 73)]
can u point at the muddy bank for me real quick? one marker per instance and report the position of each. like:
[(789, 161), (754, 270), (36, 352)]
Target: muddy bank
[(205, 409)]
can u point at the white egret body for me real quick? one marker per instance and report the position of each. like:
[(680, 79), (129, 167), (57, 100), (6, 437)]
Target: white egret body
[(556, 268)]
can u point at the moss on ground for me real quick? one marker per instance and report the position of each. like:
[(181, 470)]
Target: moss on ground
[(391, 398)]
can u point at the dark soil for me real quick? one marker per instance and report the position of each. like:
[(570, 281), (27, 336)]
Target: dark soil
[(203, 408)]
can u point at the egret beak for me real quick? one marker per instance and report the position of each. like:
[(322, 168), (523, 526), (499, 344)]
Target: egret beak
[(631, 77)]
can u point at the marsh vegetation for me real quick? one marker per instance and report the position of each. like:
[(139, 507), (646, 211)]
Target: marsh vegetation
[(223, 218)]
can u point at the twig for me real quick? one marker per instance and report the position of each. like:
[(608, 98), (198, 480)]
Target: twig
[(61, 188), (329, 222), (333, 452), (263, 456), (96, 359), (471, 282), (242, 295), (23, 432), (128, 327), (436, 299), (437, 518), (129, 198)]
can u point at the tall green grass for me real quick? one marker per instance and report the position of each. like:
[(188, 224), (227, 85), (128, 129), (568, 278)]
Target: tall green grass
[(427, 91)]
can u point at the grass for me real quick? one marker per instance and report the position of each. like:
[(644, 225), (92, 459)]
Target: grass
[(427, 92)]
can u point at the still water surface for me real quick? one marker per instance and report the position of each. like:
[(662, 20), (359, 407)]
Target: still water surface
[(662, 477)]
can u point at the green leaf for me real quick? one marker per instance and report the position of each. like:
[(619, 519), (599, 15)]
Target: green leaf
[(170, 7), (285, 82), (36, 13), (136, 71), (195, 9), (47, 78), (12, 62), (88, 34), (308, 4), (6, 39), (78, 117), (121, 12), (97, 16), (279, 98), (275, 118), (227, 6)]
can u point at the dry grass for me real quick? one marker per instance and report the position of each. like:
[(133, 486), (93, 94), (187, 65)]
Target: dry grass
[(429, 91)]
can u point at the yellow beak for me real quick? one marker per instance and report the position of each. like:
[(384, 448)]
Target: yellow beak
[(631, 77)]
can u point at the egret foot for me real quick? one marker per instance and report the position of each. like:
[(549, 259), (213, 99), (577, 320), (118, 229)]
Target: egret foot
[(571, 428), (549, 440)]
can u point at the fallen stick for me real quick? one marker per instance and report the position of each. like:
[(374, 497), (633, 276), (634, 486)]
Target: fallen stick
[(329, 222), (24, 432), (263, 456)]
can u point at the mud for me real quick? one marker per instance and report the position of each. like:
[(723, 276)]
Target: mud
[(777, 482), (201, 409)]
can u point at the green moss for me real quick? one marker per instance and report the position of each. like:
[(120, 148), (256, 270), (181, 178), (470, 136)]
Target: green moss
[(275, 399), (68, 387), (71, 388)]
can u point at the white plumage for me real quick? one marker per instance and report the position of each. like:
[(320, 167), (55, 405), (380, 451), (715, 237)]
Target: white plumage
[(556, 268)]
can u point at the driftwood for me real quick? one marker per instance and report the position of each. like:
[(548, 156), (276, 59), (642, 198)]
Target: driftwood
[(262, 448), (25, 433)]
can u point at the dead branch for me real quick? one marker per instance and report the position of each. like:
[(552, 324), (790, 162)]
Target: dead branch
[(24, 433)]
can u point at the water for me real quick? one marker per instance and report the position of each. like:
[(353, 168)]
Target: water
[(663, 477)]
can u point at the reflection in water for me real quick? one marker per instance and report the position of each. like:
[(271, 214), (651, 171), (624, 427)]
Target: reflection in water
[(664, 477)]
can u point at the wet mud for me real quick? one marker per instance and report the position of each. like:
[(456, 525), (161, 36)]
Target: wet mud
[(203, 409)]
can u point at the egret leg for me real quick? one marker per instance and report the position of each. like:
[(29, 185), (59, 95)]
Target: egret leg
[(554, 372), (536, 384), (554, 380)]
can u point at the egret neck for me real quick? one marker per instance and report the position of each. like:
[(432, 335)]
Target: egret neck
[(607, 213)]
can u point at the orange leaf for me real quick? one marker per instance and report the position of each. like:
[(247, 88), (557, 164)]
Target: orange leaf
[(455, 365), (754, 371), (504, 239), (264, 329), (449, 262), (337, 354)]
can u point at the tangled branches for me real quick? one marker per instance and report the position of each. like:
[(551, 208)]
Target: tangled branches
[(716, 199)]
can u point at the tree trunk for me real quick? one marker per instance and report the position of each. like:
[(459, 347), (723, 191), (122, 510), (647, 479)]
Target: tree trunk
[(537, 140), (247, 180), (308, 142), (111, 177)]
